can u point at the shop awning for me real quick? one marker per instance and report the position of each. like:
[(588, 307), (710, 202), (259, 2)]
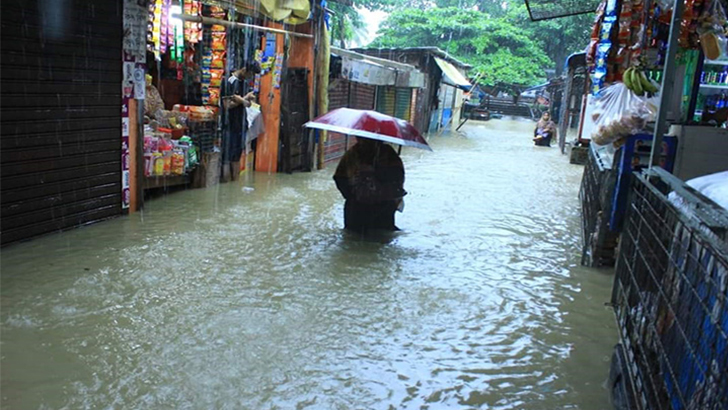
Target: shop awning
[(452, 76), (377, 71)]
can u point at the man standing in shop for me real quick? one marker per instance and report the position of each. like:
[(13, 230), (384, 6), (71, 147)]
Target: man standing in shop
[(235, 100)]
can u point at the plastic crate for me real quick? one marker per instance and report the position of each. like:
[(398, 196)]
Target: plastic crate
[(670, 295), (203, 134)]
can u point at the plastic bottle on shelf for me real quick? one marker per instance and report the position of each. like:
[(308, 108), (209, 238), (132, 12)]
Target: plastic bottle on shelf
[(722, 77), (721, 101), (709, 105)]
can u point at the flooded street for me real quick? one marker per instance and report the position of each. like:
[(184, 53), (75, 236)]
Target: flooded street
[(250, 296)]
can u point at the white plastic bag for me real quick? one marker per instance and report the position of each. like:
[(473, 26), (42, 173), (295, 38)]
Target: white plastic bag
[(619, 112)]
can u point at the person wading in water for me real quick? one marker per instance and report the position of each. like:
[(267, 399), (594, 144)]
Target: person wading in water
[(545, 131), (370, 176)]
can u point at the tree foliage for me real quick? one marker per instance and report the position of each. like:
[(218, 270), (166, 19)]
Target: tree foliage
[(495, 47), (558, 37), (496, 36), (346, 24)]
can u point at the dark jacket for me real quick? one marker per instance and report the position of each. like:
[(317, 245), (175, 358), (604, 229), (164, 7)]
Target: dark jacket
[(370, 176)]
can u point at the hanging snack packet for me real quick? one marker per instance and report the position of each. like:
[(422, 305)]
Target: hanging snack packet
[(218, 59), (214, 98), (216, 77), (711, 28), (218, 41)]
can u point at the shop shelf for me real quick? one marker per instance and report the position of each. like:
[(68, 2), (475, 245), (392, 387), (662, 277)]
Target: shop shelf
[(166, 181), (714, 86), (716, 62)]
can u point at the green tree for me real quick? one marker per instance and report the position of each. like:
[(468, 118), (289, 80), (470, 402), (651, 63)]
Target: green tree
[(346, 24), (559, 37), (495, 47), (556, 38)]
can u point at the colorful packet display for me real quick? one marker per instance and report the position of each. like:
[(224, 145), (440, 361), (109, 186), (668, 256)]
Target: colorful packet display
[(256, 84), (217, 12), (216, 76), (193, 31), (218, 41), (164, 26), (218, 59), (214, 96), (611, 11), (213, 60)]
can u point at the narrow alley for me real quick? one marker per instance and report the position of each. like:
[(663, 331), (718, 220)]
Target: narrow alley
[(249, 295)]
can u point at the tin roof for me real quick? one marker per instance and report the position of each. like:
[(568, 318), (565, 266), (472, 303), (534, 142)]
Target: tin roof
[(413, 50)]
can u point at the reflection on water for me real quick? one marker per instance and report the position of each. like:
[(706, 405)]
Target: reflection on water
[(249, 295)]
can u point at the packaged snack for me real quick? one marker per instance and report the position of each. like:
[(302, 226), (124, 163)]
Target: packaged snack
[(218, 41), (158, 160), (167, 162), (607, 29), (218, 59), (207, 60), (610, 10), (178, 162), (214, 98), (217, 12), (206, 77), (148, 164), (216, 76), (603, 54)]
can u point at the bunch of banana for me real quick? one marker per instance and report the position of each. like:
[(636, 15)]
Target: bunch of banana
[(636, 80)]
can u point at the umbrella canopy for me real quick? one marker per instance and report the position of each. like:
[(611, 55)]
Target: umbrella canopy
[(370, 124)]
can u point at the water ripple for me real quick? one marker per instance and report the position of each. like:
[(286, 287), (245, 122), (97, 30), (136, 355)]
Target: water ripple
[(249, 295)]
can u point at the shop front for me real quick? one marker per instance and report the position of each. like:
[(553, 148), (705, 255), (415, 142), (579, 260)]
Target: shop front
[(368, 83), (656, 119), (192, 53), (60, 120), (439, 101), (627, 59)]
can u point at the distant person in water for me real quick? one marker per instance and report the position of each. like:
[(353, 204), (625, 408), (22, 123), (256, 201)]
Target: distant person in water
[(370, 176), (545, 131)]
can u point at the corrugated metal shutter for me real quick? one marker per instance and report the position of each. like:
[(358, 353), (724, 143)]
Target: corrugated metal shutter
[(413, 109), (386, 100), (404, 98), (335, 142), (61, 115), (339, 94), (362, 96)]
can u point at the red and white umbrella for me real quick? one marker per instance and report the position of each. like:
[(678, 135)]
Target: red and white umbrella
[(370, 124)]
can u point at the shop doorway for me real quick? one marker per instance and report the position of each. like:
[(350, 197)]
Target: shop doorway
[(296, 148)]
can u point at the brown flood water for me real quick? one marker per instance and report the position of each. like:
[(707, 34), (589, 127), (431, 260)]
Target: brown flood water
[(250, 296)]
